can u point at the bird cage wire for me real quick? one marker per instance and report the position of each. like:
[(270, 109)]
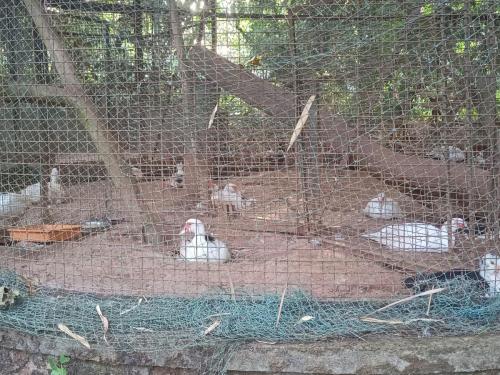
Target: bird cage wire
[(277, 124)]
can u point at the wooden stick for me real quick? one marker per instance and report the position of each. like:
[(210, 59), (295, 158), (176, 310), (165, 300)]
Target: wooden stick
[(278, 317), (80, 339), (426, 293), (231, 286), (429, 303), (302, 122)]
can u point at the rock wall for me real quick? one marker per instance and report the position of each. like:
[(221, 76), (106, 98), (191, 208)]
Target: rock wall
[(25, 354)]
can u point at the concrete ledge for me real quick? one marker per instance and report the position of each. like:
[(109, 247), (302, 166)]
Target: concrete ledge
[(25, 354)]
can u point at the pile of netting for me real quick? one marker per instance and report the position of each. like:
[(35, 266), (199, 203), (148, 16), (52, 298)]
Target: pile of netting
[(173, 323)]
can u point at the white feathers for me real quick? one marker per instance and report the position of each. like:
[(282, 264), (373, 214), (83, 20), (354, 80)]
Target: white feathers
[(479, 159), (451, 153), (32, 193), (136, 172), (382, 207), (14, 204), (489, 269), (230, 195), (417, 236), (202, 247), (55, 190), (177, 179)]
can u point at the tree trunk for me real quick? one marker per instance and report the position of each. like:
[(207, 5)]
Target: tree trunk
[(196, 174), (425, 174), (93, 122)]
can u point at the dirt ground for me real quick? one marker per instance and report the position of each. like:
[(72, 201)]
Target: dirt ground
[(268, 252)]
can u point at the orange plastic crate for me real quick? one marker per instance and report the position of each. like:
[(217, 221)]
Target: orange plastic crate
[(45, 233)]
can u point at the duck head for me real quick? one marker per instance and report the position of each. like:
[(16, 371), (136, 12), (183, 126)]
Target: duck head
[(54, 174), (489, 269), (232, 188), (457, 223), (180, 168), (193, 226), (381, 197)]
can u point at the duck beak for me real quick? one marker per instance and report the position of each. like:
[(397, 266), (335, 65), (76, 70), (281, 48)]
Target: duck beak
[(185, 230)]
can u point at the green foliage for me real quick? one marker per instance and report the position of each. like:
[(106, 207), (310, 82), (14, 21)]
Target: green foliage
[(427, 9), (57, 366)]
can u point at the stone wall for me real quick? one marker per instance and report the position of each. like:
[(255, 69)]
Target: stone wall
[(24, 354)]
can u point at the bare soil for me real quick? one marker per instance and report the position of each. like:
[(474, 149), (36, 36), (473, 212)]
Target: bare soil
[(267, 248)]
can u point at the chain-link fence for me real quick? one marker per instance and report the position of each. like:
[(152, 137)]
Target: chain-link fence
[(221, 171)]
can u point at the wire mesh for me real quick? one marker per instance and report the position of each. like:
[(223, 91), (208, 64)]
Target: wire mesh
[(216, 172)]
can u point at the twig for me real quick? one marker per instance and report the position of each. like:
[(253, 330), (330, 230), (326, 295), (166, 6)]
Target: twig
[(231, 287), (394, 322), (132, 308), (104, 320), (212, 327), (429, 303), (219, 314), (426, 293), (278, 317), (80, 339), (302, 121), (212, 116)]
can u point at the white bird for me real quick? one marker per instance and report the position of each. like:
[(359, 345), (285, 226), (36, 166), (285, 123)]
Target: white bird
[(451, 153), (55, 190), (12, 204), (177, 179), (382, 207), (417, 236), (32, 193), (488, 276), (136, 172), (489, 269), (479, 159), (202, 247), (230, 195)]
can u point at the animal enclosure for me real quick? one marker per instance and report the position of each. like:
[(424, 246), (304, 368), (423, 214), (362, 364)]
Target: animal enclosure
[(255, 170)]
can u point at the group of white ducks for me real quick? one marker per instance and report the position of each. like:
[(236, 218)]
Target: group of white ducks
[(412, 236), (424, 237), (199, 246), (14, 204), (415, 236)]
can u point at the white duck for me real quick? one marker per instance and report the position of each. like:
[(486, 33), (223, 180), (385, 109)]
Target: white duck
[(488, 276), (382, 207), (55, 190), (31, 193), (489, 269), (231, 195), (417, 236), (451, 153), (177, 179), (12, 204), (202, 247), (479, 159)]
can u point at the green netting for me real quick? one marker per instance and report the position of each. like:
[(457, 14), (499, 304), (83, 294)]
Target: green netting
[(162, 323)]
